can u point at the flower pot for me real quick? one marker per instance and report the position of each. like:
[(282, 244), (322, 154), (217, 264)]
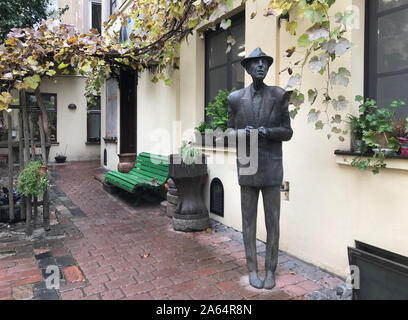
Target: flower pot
[(358, 146), (126, 162), (60, 159), (403, 141), (404, 151)]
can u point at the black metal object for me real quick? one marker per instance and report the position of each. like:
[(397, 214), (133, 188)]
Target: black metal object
[(383, 275), (72, 106), (4, 201), (217, 197), (105, 157)]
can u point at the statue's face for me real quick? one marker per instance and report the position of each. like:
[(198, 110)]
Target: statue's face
[(257, 68)]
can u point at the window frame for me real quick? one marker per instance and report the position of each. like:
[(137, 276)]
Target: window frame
[(91, 4), (239, 17), (37, 110), (371, 74), (113, 4), (88, 113)]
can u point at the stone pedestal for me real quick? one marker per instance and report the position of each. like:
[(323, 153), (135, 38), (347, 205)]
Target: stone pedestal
[(191, 213)]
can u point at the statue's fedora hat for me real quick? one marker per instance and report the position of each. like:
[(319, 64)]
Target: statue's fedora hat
[(256, 54)]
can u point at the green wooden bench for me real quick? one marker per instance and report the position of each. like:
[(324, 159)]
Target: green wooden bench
[(151, 171)]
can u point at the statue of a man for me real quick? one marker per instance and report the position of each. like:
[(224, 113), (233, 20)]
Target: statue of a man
[(262, 110)]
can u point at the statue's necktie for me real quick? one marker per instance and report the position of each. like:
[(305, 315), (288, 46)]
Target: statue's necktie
[(257, 101)]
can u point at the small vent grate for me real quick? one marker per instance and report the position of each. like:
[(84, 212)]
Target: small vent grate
[(217, 197)]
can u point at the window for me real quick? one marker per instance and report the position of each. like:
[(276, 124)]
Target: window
[(387, 52), (94, 120), (50, 102), (223, 70), (111, 106), (112, 6), (96, 16)]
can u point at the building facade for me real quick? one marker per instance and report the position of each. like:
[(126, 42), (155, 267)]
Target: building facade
[(329, 204)]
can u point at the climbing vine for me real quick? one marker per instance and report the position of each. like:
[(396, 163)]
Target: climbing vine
[(324, 42)]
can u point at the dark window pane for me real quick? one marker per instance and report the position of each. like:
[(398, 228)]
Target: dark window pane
[(393, 42), (223, 69), (94, 119), (94, 126), (217, 80), (96, 16), (238, 33), (393, 88), (390, 4), (217, 47), (238, 76), (112, 6)]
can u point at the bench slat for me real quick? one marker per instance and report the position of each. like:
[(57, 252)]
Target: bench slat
[(144, 162), (142, 174)]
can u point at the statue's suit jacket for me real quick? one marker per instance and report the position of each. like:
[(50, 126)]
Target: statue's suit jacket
[(274, 116)]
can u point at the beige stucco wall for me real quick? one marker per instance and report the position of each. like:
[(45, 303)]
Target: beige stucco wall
[(71, 124), (157, 125)]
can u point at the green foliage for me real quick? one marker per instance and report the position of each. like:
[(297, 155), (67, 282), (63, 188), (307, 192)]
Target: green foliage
[(24, 14), (189, 154), (322, 44), (217, 111), (31, 180), (372, 125)]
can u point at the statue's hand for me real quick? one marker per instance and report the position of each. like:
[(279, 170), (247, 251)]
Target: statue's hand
[(248, 130), (262, 132)]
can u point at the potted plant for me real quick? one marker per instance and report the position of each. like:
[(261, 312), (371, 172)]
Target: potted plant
[(400, 129), (376, 125), (61, 158), (126, 162), (32, 180), (188, 169), (217, 111), (356, 132)]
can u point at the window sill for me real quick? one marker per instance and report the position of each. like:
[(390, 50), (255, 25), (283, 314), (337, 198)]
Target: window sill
[(53, 143), (110, 139), (395, 162), (93, 143)]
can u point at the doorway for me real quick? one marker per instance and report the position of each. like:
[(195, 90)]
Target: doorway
[(128, 112)]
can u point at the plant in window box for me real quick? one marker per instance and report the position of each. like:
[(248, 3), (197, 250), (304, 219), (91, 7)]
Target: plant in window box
[(377, 133), (217, 111), (400, 129), (357, 133)]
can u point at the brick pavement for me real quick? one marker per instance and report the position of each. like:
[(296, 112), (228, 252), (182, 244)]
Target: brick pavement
[(112, 250)]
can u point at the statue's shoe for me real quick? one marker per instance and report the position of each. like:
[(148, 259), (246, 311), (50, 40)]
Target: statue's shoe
[(269, 283), (255, 281)]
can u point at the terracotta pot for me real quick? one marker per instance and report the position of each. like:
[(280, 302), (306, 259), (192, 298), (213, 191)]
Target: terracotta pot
[(126, 162), (43, 169)]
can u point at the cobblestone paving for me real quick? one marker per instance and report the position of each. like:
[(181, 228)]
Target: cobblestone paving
[(105, 248)]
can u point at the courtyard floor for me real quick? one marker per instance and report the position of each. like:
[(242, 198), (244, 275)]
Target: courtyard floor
[(106, 248)]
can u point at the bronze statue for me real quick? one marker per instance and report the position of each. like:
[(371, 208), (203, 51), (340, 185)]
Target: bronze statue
[(262, 110)]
